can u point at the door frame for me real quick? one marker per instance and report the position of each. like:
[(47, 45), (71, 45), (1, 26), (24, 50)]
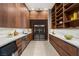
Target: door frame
[(39, 22)]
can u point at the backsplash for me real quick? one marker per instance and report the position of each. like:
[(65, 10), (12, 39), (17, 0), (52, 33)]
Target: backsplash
[(4, 31), (74, 32)]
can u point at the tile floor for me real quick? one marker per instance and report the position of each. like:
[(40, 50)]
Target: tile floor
[(39, 48)]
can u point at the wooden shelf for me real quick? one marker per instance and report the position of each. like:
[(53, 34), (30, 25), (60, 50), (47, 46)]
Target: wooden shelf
[(58, 24), (66, 5), (59, 19), (53, 13), (62, 13), (72, 7), (59, 11), (67, 21), (59, 15), (53, 22), (59, 7)]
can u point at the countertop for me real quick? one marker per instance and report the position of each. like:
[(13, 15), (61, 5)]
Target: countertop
[(73, 41), (6, 40)]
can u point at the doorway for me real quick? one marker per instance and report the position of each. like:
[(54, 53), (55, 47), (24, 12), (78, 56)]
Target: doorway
[(40, 30)]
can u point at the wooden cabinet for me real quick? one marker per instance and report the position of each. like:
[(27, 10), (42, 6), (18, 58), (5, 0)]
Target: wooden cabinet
[(22, 43), (65, 15), (19, 46), (14, 15), (37, 15), (70, 49), (30, 37), (62, 47)]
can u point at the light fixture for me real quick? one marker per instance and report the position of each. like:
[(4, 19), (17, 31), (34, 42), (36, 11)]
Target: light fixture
[(32, 9)]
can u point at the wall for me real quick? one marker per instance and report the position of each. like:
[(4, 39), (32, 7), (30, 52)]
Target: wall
[(14, 15), (34, 15)]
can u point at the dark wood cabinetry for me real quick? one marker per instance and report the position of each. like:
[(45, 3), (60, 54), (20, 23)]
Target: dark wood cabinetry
[(22, 43), (29, 36), (65, 15), (14, 15), (62, 47), (39, 15), (19, 46)]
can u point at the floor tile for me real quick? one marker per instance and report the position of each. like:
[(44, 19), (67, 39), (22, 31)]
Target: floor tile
[(39, 48)]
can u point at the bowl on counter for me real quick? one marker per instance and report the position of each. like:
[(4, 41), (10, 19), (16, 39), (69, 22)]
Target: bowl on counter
[(68, 36)]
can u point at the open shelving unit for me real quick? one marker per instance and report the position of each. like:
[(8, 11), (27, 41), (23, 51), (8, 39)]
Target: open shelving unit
[(53, 17), (65, 15), (59, 15), (71, 9)]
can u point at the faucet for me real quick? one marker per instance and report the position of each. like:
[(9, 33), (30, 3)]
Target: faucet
[(53, 32)]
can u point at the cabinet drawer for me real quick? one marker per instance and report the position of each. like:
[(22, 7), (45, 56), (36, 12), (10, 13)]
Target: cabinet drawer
[(60, 43), (58, 49), (62, 47), (19, 51), (72, 50), (18, 41), (19, 45), (61, 52)]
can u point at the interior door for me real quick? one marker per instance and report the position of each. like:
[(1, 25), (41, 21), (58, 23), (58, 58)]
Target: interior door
[(40, 29), (39, 32)]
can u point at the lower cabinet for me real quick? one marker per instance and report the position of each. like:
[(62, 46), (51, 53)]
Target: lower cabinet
[(62, 47), (17, 47), (22, 44), (8, 49)]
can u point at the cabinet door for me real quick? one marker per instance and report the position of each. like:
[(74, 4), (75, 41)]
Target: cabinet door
[(60, 42), (8, 49), (61, 51), (24, 42), (55, 45), (19, 46), (30, 37), (63, 47), (71, 50)]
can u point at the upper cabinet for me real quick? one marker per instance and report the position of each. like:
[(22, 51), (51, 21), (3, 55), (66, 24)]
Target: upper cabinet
[(38, 15), (3, 14), (14, 15), (65, 15)]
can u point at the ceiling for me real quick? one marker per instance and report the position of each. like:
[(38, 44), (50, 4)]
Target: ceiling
[(39, 6)]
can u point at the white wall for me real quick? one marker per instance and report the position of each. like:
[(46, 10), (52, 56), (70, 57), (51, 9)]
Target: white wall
[(49, 22)]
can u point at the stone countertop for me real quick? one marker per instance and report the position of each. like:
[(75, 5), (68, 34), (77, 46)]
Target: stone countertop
[(73, 41), (6, 40)]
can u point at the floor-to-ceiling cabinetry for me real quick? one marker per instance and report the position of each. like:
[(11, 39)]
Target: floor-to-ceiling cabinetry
[(14, 15), (65, 15)]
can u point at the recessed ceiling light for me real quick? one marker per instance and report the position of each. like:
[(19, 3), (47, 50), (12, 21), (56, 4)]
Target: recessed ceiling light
[(32, 9)]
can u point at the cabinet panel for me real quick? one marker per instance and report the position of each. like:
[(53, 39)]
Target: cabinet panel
[(19, 46), (14, 15), (62, 47), (58, 49), (22, 43), (35, 15), (71, 49), (8, 49)]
